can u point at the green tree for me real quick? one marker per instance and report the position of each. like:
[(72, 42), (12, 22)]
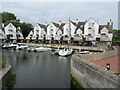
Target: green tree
[(7, 16), (26, 28), (11, 18), (116, 38)]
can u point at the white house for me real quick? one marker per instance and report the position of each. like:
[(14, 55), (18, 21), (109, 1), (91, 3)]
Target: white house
[(78, 34), (68, 30), (2, 33), (91, 29), (19, 34), (75, 31), (52, 28), (59, 32), (10, 31)]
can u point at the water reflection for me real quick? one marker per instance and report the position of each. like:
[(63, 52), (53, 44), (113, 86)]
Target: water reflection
[(38, 69)]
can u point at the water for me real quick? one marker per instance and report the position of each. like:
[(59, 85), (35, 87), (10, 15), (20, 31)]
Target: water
[(38, 69)]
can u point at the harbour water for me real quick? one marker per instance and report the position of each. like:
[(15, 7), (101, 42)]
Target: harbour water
[(38, 69)]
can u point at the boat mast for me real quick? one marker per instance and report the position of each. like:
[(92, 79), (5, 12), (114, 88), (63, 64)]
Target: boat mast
[(69, 42)]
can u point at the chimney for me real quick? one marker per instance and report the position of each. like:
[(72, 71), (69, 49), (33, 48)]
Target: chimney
[(77, 21), (60, 23), (110, 25)]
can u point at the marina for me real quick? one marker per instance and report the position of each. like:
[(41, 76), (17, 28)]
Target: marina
[(38, 70)]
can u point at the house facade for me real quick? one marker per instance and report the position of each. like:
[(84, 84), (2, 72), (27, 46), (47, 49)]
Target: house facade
[(89, 30), (2, 33), (11, 33)]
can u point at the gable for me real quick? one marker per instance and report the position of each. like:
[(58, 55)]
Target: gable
[(10, 26), (104, 30)]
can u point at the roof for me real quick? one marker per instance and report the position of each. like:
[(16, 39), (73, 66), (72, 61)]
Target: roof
[(56, 24), (79, 24), (104, 26), (42, 25)]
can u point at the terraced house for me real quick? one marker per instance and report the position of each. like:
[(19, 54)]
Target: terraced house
[(10, 33), (76, 31)]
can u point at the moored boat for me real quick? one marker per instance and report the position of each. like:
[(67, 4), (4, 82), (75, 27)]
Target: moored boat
[(41, 49), (21, 46), (10, 45), (65, 52)]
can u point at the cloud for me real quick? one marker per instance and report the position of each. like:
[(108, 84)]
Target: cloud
[(41, 12)]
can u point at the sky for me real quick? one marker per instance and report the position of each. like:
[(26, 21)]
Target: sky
[(42, 12)]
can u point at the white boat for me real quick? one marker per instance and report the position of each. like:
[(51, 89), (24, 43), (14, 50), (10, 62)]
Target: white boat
[(38, 49), (30, 49), (81, 52), (10, 45), (65, 52), (56, 51), (21, 46)]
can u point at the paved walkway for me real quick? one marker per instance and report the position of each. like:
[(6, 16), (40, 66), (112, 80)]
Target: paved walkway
[(113, 61)]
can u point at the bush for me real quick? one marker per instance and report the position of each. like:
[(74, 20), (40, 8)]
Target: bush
[(2, 64), (11, 81)]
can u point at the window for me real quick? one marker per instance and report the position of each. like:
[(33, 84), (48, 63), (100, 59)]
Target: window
[(81, 26), (51, 26), (10, 30), (91, 23), (37, 30), (10, 26)]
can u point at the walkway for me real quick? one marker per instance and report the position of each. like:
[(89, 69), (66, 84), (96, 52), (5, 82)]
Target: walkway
[(113, 61)]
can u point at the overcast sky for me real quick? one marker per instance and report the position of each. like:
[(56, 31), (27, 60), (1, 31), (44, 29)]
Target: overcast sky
[(42, 12)]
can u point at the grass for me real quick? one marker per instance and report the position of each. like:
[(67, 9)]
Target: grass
[(116, 73)]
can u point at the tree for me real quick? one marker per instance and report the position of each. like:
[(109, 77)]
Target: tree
[(7, 16), (116, 38), (11, 18), (26, 28)]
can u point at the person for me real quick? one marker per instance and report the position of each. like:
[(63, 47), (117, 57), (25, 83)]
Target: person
[(108, 66)]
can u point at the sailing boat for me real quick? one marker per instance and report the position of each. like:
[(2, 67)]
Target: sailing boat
[(66, 51)]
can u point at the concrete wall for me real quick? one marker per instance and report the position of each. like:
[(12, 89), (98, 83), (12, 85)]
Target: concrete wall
[(98, 56), (4, 74), (92, 76)]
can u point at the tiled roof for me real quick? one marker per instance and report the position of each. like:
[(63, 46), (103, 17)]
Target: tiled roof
[(42, 25), (79, 24), (104, 26), (56, 24)]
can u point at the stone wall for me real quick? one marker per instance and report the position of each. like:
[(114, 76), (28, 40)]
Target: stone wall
[(4, 74), (91, 75), (98, 56)]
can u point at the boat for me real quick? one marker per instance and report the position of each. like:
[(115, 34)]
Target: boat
[(56, 51), (41, 49), (65, 52), (21, 46), (81, 52), (10, 45), (31, 49)]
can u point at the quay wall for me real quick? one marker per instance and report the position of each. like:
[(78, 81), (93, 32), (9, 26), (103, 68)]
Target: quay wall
[(4, 74), (62, 46), (91, 75), (99, 56)]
